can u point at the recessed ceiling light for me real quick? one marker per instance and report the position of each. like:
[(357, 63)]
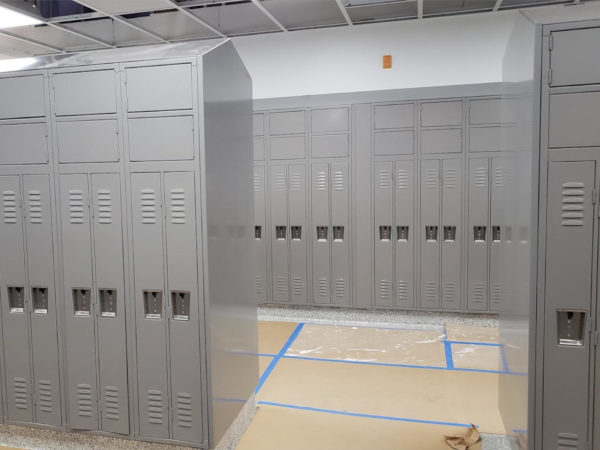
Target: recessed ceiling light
[(10, 18)]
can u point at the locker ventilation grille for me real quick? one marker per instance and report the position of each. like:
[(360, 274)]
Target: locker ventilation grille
[(178, 206), (385, 179), (295, 182), (402, 291), (155, 407), (281, 287), (338, 180), (323, 287), (431, 291), (402, 179), (21, 393), (450, 178), (104, 207), (75, 206), (449, 292), (498, 177), (297, 287), (148, 198), (340, 288), (35, 207), (496, 294), (84, 400), (45, 394), (257, 183), (279, 183), (321, 181), (431, 178), (259, 285), (480, 178), (573, 204), (111, 403), (385, 288), (9, 206), (184, 410), (478, 293), (567, 440)]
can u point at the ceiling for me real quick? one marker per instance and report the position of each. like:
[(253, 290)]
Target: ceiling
[(78, 25)]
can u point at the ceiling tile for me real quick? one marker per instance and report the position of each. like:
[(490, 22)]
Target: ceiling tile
[(54, 37), (232, 19), (111, 31), (128, 6), (514, 3), (16, 48), (173, 25), (434, 7), (294, 14), (388, 11)]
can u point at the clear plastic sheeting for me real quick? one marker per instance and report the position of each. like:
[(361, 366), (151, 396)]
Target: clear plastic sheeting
[(459, 332), (380, 345)]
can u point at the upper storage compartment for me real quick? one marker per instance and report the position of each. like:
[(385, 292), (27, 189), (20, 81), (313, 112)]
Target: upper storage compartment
[(329, 120), (575, 57), (24, 143), (22, 97), (394, 116), (442, 114), (287, 122), (79, 93), (159, 88), (485, 111)]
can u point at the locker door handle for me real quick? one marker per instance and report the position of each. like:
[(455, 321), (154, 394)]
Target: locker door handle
[(108, 302), (180, 305), (479, 233), (280, 232), (16, 299), (39, 297), (431, 233), (450, 233), (496, 234), (338, 233), (296, 232), (402, 233), (153, 304), (82, 302), (385, 233), (258, 232), (322, 232)]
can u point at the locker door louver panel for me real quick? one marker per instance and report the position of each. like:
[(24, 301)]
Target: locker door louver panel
[(402, 291), (478, 293), (297, 286), (321, 180), (385, 179), (573, 198), (431, 292), (450, 178), (323, 285), (340, 288), (385, 287), (449, 294), (76, 206), (84, 400), (105, 212), (112, 408), (21, 393), (155, 407), (45, 396), (480, 178), (149, 207), (9, 206), (281, 286), (295, 181), (257, 183), (567, 440), (184, 410), (431, 178), (35, 207), (338, 180), (178, 216), (259, 286)]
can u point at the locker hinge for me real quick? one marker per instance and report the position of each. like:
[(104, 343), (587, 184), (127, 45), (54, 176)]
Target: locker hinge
[(596, 339), (549, 76), (551, 42), (594, 193)]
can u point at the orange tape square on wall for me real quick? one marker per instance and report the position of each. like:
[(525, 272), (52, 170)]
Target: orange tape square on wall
[(387, 61)]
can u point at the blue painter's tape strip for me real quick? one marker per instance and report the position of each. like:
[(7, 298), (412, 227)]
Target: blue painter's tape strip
[(448, 352), (270, 355), (367, 416), (229, 400), (277, 357), (504, 360), (482, 344)]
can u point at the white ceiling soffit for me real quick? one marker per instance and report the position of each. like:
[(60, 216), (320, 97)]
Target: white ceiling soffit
[(119, 23)]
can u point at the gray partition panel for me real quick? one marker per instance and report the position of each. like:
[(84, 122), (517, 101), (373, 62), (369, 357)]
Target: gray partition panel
[(485, 111), (260, 234), (287, 122), (430, 234), (384, 249), (280, 259), (485, 139), (404, 233), (330, 145), (321, 233), (298, 239), (446, 113), (259, 148), (451, 233), (394, 143), (394, 116), (288, 147), (340, 233)]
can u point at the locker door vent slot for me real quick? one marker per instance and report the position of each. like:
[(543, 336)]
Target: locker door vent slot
[(16, 299), (280, 232), (153, 304), (257, 232), (496, 235), (450, 233), (180, 305), (402, 233), (570, 327), (385, 233), (108, 302), (296, 231), (39, 297), (338, 234), (322, 233), (431, 233), (479, 233), (82, 302)]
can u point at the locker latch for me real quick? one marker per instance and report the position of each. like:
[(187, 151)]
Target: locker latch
[(385, 233), (296, 232), (153, 304), (402, 233), (322, 232), (39, 297), (108, 302), (82, 304), (496, 234), (570, 327), (16, 299), (450, 233), (180, 305), (479, 233), (431, 233), (280, 232), (338, 234)]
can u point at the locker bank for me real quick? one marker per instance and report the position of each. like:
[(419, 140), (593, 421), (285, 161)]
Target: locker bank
[(299, 224)]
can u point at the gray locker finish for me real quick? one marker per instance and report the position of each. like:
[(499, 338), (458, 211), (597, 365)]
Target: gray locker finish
[(78, 93), (394, 143), (260, 234), (575, 57), (430, 234), (258, 124), (161, 138), (451, 234), (485, 139), (330, 145), (259, 148), (329, 120), (394, 116), (485, 111), (434, 114), (573, 120), (86, 141), (287, 122), (29, 138), (441, 141), (22, 96), (288, 147)]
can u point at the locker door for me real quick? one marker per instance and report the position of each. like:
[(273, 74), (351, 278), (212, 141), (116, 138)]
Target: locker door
[(478, 235), (44, 334), (153, 400), (340, 243), (79, 302), (110, 297), (569, 281), (298, 235), (499, 181), (430, 234), (404, 241), (451, 239), (183, 300), (321, 233), (14, 307), (384, 251), (279, 234), (260, 282)]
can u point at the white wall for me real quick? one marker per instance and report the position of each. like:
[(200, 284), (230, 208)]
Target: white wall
[(442, 51)]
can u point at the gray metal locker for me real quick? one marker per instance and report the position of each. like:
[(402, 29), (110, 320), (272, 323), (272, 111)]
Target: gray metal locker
[(575, 57), (280, 259), (340, 233), (430, 234), (404, 233), (384, 250), (183, 306), (260, 280), (322, 233), (451, 234), (29, 138), (150, 305), (15, 304), (22, 97), (145, 87), (500, 181), (478, 235), (84, 92), (298, 233), (573, 120), (44, 334), (569, 283)]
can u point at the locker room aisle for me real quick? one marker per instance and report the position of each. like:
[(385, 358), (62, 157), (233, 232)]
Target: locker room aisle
[(353, 387)]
